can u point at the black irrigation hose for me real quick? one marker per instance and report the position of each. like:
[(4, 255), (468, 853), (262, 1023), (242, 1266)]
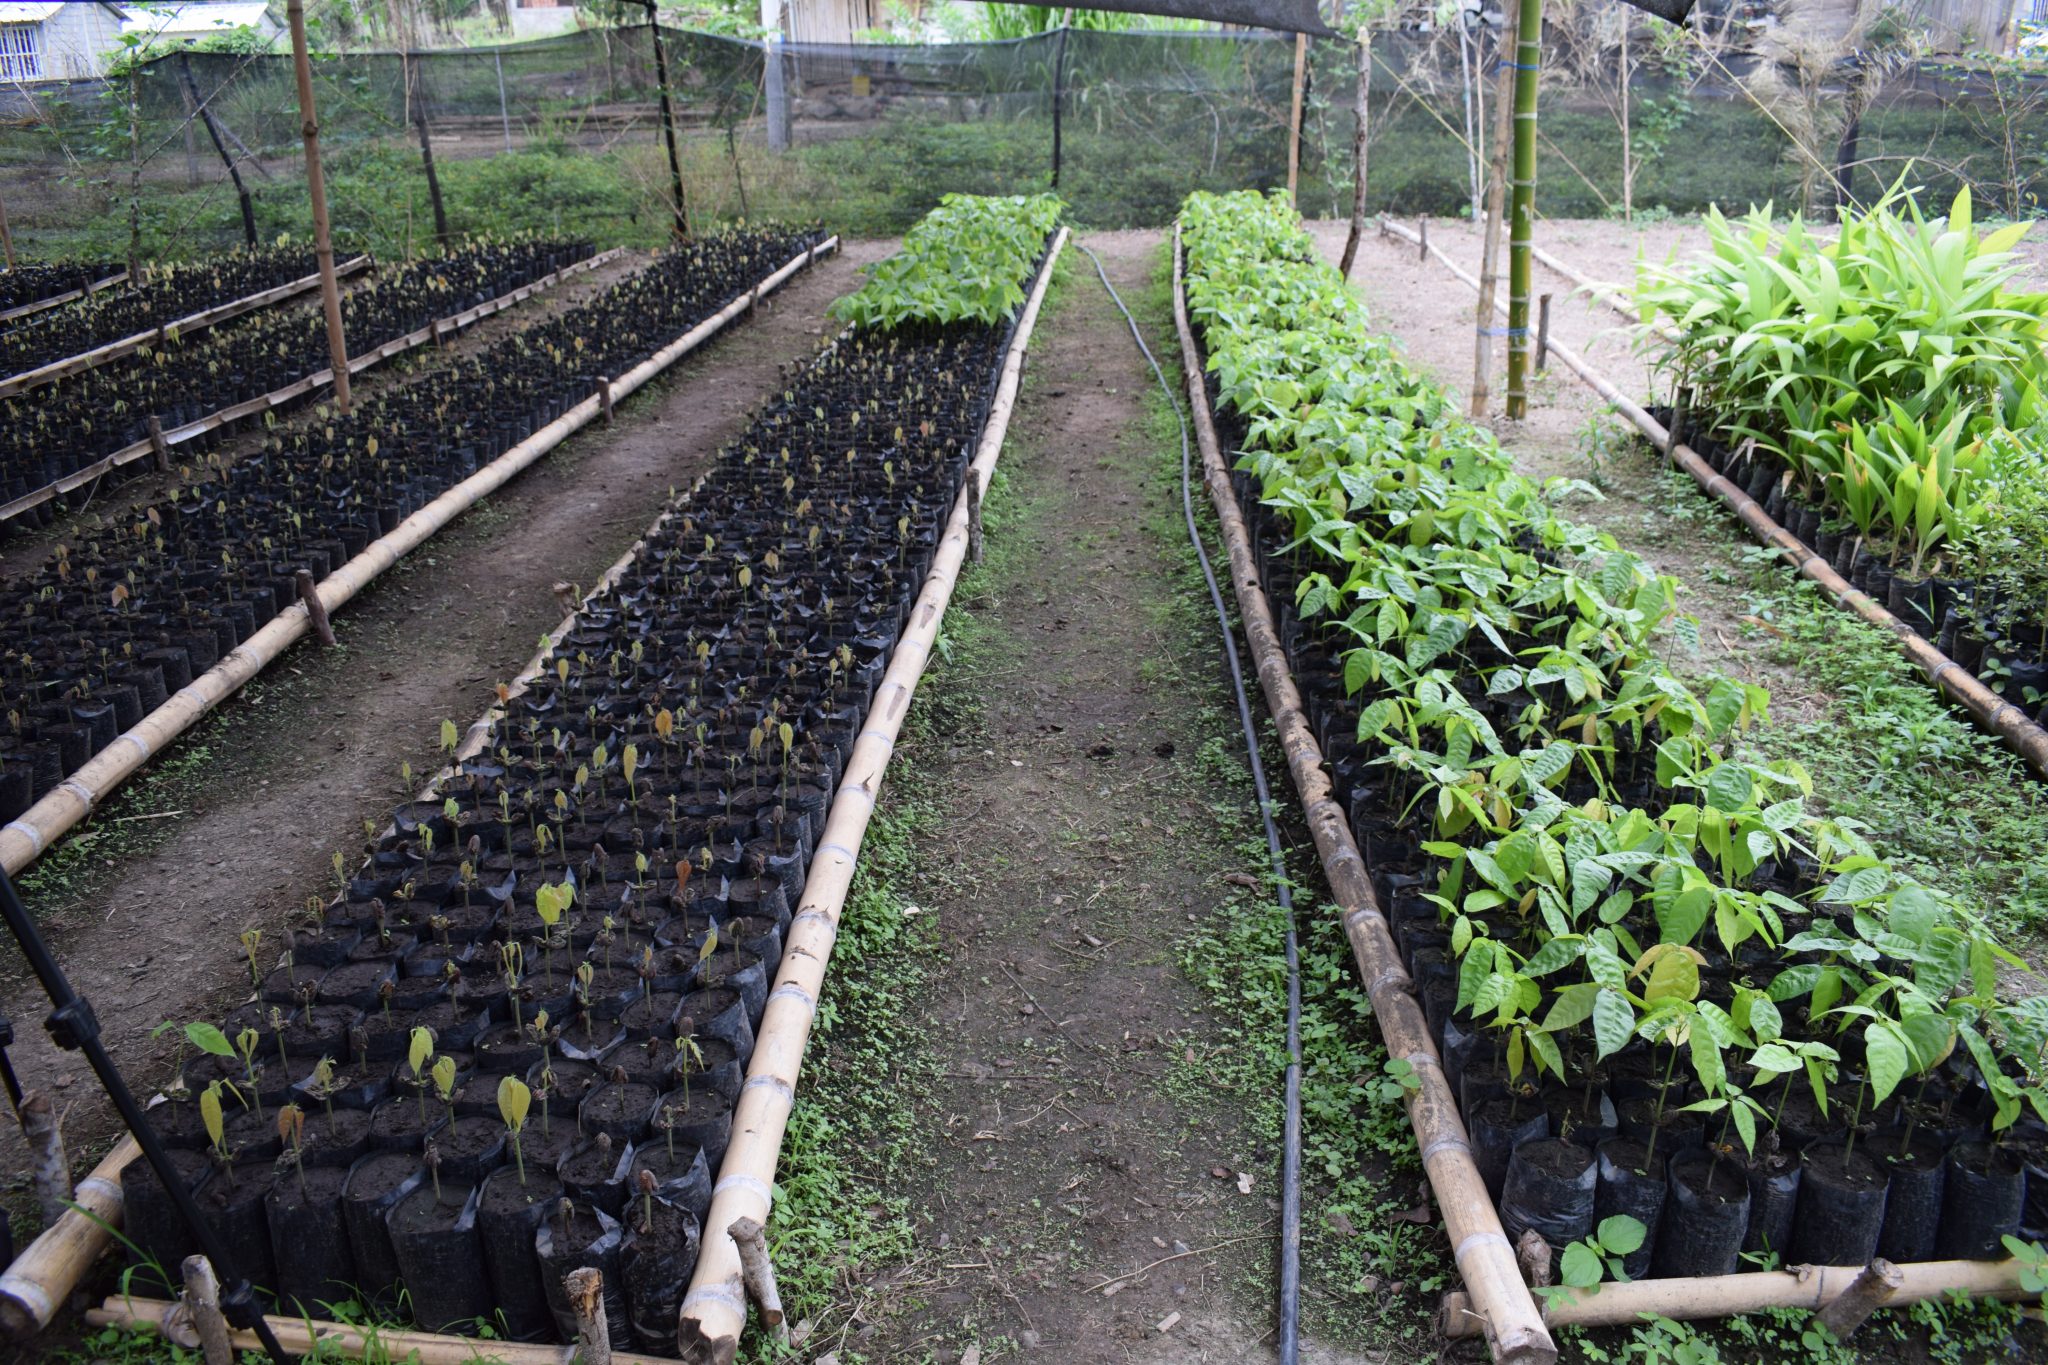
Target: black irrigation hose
[(1290, 1156)]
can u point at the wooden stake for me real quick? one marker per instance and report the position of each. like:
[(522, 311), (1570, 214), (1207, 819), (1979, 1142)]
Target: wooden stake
[(593, 1331), (6, 235), (1496, 199), (1294, 114), (316, 191), (1867, 1293), (316, 610), (1532, 1253), (604, 394), (205, 112), (1360, 108), (160, 449), (202, 1301), (1542, 330), (1422, 232), (668, 123), (974, 520), (757, 1271), (417, 97), (43, 1126)]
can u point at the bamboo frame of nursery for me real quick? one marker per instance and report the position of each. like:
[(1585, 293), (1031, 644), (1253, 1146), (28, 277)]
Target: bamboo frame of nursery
[(714, 1311), (1514, 1328), (46, 1272), (1992, 711)]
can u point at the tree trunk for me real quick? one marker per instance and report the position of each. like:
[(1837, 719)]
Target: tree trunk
[(1360, 106), (1853, 103), (417, 97), (213, 131)]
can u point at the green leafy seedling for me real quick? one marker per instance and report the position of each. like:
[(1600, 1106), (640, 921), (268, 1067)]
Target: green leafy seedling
[(514, 1099), (1587, 1262)]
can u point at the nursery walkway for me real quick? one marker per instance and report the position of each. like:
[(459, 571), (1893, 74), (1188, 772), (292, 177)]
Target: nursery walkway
[(1093, 810), (243, 816)]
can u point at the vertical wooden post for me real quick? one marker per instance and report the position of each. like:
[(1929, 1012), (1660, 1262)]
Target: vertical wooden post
[(1422, 239), (219, 147), (1294, 114), (316, 610), (974, 518), (159, 448), (43, 1128), (504, 111), (1360, 107), (757, 1272), (668, 123), (6, 236), (1542, 331), (202, 1300), (586, 1300), (416, 96), (316, 191), (1496, 199), (1059, 100)]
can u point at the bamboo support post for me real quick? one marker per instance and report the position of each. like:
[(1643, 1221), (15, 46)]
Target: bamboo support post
[(1522, 201), (757, 1273), (316, 191), (1807, 1286), (1481, 1250), (1496, 204), (1993, 712), (43, 1276), (323, 629), (302, 1336), (202, 1301), (1867, 1293), (714, 1309), (24, 838), (43, 1127), (585, 1288)]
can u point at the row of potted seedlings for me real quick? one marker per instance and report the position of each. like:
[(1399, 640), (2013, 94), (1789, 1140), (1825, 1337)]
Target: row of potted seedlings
[(28, 283), (140, 603), (1660, 984), (164, 295), (51, 432), (1881, 393), (511, 1044)]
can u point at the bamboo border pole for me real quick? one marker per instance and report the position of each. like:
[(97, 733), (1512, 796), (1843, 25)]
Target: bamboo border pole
[(1485, 1259), (714, 1310), (1992, 711), (59, 300), (42, 1277), (454, 322), (192, 322), (23, 839), (1807, 1286), (302, 1335)]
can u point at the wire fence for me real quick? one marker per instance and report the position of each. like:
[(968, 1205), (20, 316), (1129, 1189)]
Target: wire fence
[(563, 134)]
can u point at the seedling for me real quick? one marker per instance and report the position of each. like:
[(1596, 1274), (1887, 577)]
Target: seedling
[(246, 1043), (291, 1128), (1587, 1262), (250, 939), (444, 1083), (211, 1115), (322, 1087), (646, 1182), (513, 1100), (419, 1047)]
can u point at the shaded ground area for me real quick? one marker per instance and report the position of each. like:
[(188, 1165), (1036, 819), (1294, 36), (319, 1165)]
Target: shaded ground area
[(238, 824)]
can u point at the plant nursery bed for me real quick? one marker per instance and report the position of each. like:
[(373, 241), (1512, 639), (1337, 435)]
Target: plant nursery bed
[(1658, 987), (30, 289)]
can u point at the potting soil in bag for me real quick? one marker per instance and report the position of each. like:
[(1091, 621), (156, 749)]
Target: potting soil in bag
[(232, 1205), (1497, 1128), (683, 1177), (657, 1261), (1841, 1206), (1705, 1218), (440, 1257), (375, 1184), (509, 1212), (1986, 1191), (1912, 1204), (1773, 1203), (1550, 1186), (595, 1173), (309, 1237), (582, 1236), (1624, 1186), (150, 1221)]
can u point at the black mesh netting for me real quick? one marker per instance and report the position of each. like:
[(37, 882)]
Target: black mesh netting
[(563, 134)]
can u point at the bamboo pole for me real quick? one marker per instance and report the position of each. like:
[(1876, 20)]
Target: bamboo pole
[(316, 191), (1806, 1286), (1496, 197), (49, 1268), (1992, 711), (1294, 114), (185, 326), (23, 839), (1522, 223), (1480, 1248), (301, 1336), (714, 1311)]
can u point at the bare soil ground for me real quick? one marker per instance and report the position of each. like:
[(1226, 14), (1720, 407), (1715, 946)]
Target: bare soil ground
[(1079, 1204), (238, 823)]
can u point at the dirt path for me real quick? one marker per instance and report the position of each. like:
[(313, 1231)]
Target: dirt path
[(239, 822), (1085, 830)]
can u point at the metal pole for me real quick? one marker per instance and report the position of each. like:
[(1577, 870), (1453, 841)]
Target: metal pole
[(74, 1027), (668, 124), (323, 241), (776, 87), (504, 114)]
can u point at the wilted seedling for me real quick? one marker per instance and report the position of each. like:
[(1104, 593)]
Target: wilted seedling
[(688, 1056), (276, 1021), (513, 1101), (645, 1180), (291, 1128), (512, 960), (251, 937), (322, 1087), (215, 1120)]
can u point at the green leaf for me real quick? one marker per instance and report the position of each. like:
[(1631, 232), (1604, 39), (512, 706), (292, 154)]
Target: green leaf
[(1622, 1234), (1614, 1023), (208, 1039), (1580, 1267), (1886, 1056)]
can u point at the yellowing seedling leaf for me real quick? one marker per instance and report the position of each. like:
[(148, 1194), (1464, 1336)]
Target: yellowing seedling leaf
[(514, 1099)]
